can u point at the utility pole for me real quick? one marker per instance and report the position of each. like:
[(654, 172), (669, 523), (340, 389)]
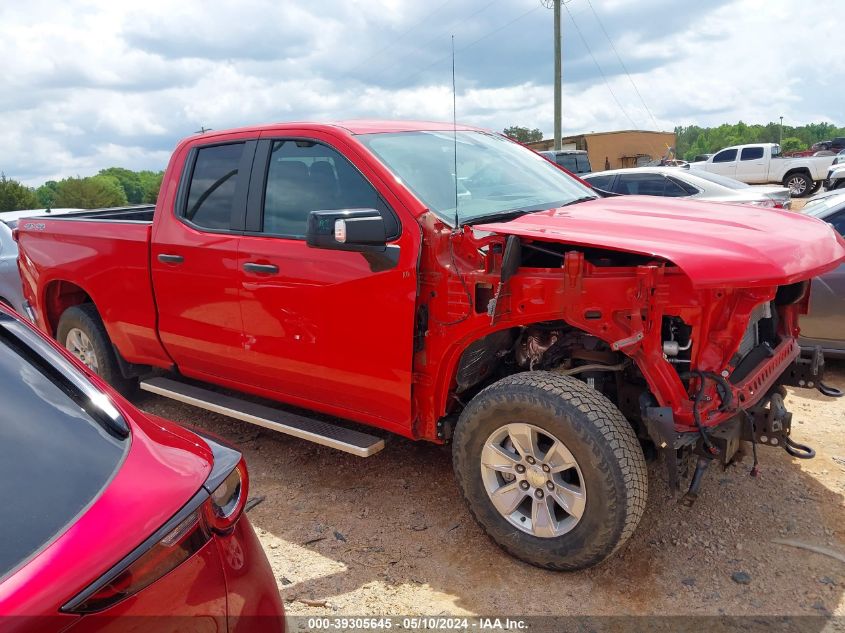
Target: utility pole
[(558, 69), (780, 132)]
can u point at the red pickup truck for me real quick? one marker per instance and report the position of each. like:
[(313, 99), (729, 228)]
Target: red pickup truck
[(450, 285)]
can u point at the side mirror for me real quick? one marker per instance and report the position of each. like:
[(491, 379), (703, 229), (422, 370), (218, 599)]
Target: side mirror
[(347, 230)]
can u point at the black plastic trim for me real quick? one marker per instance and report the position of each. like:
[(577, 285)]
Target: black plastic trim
[(238, 214)]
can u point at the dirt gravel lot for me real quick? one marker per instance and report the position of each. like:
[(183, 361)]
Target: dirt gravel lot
[(389, 535)]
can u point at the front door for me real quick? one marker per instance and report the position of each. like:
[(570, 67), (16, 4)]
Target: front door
[(328, 329), (724, 163), (194, 261)]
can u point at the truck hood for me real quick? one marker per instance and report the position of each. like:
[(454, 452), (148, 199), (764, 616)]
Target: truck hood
[(716, 245)]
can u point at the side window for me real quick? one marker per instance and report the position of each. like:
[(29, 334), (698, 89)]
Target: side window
[(305, 176), (725, 156), (211, 193), (601, 182), (641, 184), (838, 223), (678, 189), (751, 153)]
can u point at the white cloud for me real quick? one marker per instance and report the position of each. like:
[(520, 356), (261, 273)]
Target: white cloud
[(90, 84)]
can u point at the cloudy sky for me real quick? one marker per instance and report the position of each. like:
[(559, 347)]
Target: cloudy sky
[(88, 84)]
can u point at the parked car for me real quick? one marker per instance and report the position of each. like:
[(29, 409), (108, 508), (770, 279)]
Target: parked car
[(824, 325), (109, 512), (575, 160), (672, 182), (840, 158), (835, 145), (10, 281), (761, 163), (835, 178), (498, 304)]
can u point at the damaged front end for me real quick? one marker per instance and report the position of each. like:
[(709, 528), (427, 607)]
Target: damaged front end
[(744, 401)]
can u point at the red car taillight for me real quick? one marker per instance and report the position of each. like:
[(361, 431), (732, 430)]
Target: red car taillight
[(227, 502), (218, 514), (180, 543)]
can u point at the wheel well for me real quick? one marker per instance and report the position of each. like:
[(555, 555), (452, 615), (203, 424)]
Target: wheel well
[(798, 170), (58, 297)]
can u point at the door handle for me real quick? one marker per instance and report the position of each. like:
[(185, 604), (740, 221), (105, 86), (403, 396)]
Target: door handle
[(166, 258), (261, 269)]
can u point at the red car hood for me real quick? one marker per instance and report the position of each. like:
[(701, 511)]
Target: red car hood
[(714, 244)]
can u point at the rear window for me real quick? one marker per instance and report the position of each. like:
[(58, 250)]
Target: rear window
[(55, 459), (751, 153)]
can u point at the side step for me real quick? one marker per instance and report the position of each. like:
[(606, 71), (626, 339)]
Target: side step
[(325, 433)]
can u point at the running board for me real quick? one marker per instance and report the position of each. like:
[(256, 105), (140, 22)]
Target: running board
[(325, 433)]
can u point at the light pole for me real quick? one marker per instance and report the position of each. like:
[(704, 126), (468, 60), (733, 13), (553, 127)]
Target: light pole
[(780, 132)]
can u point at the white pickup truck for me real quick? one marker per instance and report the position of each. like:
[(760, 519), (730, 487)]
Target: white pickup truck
[(763, 163)]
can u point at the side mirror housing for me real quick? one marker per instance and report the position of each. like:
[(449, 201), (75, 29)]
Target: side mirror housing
[(347, 230)]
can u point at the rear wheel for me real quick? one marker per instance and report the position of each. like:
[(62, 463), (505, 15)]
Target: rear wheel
[(82, 333), (550, 469), (799, 184)]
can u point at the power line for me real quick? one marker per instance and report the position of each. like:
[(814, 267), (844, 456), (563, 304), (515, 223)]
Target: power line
[(397, 38), (470, 45), (621, 63), (595, 61), (396, 62)]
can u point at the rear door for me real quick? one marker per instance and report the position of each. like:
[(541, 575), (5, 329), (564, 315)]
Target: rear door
[(328, 329), (724, 163), (194, 259), (751, 166)]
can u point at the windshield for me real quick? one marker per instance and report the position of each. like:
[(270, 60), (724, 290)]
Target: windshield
[(494, 175), (730, 183)]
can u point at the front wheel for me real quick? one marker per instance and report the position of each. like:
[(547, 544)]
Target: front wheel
[(551, 470), (799, 184)]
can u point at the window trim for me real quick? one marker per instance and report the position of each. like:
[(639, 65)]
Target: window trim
[(239, 211), (254, 222)]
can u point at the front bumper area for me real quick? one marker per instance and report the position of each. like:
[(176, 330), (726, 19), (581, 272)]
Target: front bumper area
[(758, 415)]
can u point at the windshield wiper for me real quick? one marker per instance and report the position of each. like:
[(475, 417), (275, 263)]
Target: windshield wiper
[(577, 200), (499, 215)]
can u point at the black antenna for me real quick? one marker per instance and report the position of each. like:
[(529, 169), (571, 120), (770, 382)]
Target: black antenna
[(455, 134)]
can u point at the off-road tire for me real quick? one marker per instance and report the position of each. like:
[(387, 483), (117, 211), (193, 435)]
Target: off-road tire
[(86, 318), (808, 184), (598, 436)]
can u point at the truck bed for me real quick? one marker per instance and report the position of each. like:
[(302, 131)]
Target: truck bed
[(108, 252), (136, 213)]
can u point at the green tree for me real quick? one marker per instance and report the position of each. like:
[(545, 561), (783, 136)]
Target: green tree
[(14, 196), (151, 183), (90, 193), (47, 194), (792, 144), (130, 182), (523, 134)]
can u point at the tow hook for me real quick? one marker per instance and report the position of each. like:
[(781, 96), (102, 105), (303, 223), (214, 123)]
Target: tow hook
[(827, 390), (801, 451)]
